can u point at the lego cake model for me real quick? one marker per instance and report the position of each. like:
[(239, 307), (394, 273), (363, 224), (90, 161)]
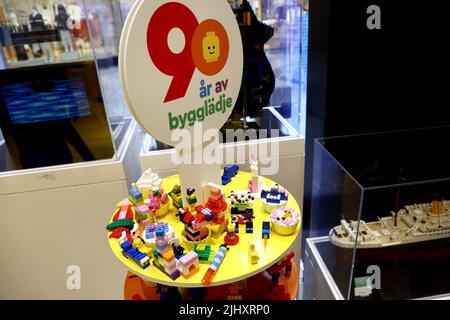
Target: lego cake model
[(149, 233), (284, 221), (241, 202), (273, 198), (148, 182)]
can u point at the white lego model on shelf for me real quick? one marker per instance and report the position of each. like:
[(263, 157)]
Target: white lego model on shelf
[(415, 223)]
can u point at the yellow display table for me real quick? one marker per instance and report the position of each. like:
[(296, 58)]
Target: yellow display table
[(236, 265)]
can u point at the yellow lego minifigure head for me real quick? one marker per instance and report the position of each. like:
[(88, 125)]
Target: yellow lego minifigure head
[(231, 227), (211, 47)]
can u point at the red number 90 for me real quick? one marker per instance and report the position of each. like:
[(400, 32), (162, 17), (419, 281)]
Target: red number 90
[(181, 66)]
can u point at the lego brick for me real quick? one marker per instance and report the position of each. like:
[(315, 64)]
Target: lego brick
[(173, 276), (168, 256)]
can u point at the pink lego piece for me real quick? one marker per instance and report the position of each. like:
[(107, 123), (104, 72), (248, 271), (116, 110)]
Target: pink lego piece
[(188, 264)]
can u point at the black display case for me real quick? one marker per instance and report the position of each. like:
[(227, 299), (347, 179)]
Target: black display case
[(381, 203)]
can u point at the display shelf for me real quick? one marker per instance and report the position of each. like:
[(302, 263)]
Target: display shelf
[(137, 289), (235, 266), (42, 61)]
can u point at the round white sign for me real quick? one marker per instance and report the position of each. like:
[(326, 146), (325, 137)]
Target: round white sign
[(180, 65)]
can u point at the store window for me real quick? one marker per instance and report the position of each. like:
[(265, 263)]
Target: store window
[(66, 52), (55, 57)]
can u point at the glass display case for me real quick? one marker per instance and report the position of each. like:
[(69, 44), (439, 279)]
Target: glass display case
[(47, 31), (56, 37), (60, 98), (381, 207)]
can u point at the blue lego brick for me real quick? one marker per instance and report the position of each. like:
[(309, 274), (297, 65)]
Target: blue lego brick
[(159, 231), (135, 193), (126, 245), (249, 227), (266, 229), (228, 173), (231, 171), (225, 180), (134, 254)]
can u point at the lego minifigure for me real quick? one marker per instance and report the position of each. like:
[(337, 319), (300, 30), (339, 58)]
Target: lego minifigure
[(231, 238), (177, 198), (249, 227), (265, 231), (191, 198)]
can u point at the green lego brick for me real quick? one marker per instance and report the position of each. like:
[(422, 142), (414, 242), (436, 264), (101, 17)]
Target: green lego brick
[(125, 223)]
